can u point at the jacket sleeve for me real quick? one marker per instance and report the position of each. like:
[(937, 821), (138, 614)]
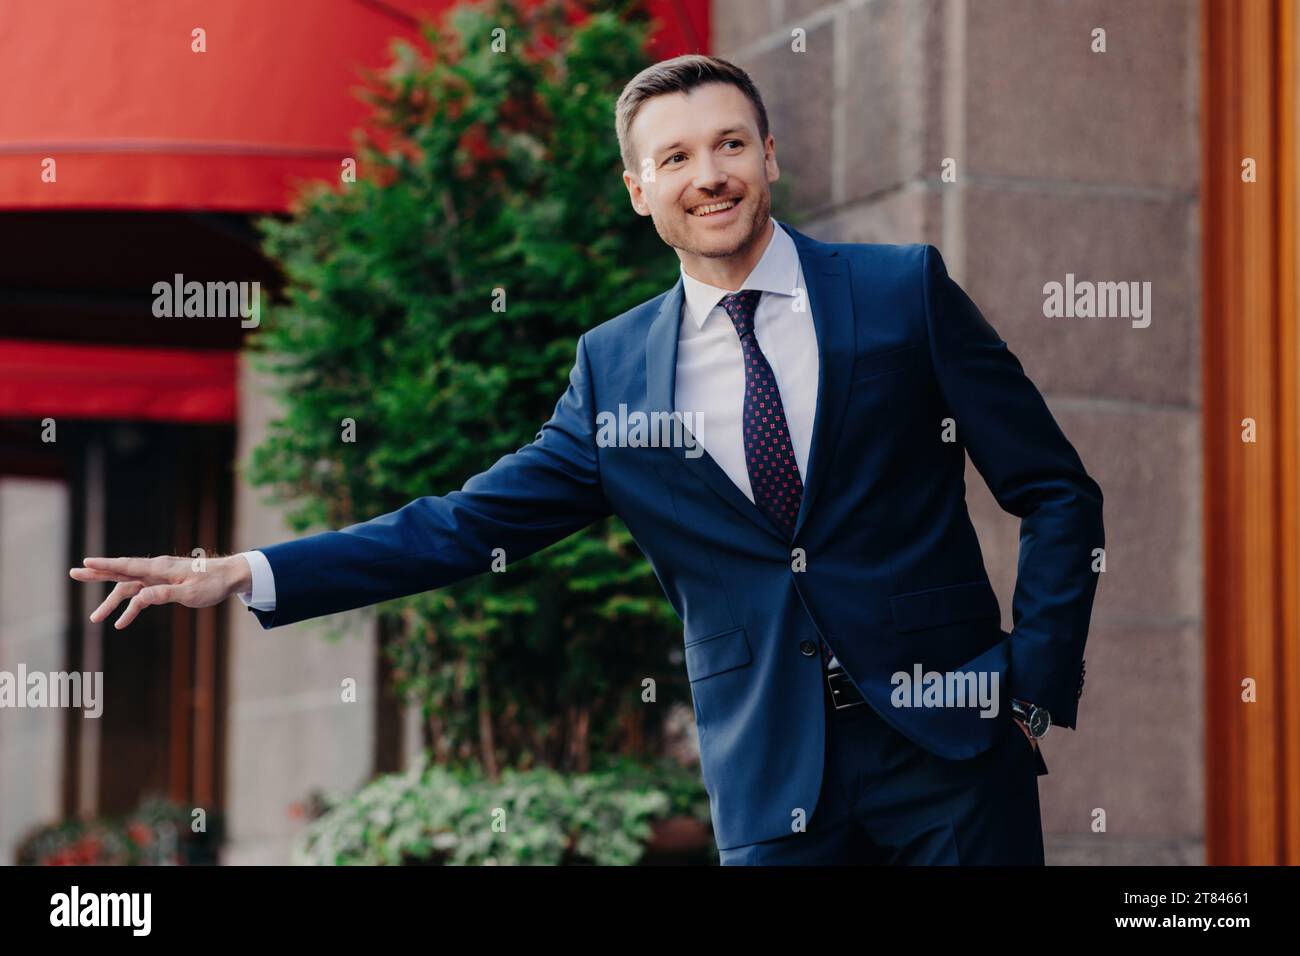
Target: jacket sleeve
[(1034, 473), (527, 500)]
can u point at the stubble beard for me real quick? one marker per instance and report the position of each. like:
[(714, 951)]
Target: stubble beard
[(757, 221)]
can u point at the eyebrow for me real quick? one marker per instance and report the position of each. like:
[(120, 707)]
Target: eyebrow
[(718, 135)]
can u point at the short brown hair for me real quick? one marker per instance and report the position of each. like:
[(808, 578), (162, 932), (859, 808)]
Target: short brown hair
[(679, 75)]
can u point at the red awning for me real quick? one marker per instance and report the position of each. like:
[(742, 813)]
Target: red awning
[(133, 119), (51, 380)]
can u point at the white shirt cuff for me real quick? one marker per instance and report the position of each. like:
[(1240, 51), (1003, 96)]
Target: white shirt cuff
[(262, 595)]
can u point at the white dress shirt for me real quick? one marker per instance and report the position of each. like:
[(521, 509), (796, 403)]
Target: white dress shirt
[(711, 373), (262, 595), (711, 363)]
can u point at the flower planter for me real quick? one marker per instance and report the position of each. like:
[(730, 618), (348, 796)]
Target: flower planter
[(679, 841)]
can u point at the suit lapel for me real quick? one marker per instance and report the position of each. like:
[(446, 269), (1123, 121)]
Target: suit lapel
[(830, 298), (661, 379)]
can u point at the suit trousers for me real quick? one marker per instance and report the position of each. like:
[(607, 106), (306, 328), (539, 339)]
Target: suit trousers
[(887, 800)]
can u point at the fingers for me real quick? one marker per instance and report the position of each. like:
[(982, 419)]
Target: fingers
[(115, 597), (146, 581), (129, 568), (89, 576), (159, 570), (147, 597)]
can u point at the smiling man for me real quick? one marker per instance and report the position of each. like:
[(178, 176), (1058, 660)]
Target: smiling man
[(712, 205), (817, 549)]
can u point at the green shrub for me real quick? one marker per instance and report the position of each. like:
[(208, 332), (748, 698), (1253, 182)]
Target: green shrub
[(431, 814), (480, 171)]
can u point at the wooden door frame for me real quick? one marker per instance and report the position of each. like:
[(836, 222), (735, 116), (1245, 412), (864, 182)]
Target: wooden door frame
[(1251, 369)]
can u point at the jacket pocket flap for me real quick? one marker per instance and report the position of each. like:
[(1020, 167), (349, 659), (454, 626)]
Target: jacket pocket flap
[(938, 606), (717, 653)]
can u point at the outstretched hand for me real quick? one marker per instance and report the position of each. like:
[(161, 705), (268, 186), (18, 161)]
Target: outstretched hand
[(191, 582)]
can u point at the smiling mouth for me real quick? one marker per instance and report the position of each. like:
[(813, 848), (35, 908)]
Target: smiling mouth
[(709, 209)]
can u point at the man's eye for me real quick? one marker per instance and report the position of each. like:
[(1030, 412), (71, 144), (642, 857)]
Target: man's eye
[(738, 142)]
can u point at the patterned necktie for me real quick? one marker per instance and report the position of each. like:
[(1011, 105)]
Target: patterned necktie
[(769, 452)]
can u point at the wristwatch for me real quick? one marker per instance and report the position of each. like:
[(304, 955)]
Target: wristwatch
[(1037, 719)]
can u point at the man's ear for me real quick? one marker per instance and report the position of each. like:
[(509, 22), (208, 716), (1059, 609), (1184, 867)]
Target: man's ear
[(635, 193), (769, 159)]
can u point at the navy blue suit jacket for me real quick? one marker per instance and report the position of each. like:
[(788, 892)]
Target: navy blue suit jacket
[(894, 576)]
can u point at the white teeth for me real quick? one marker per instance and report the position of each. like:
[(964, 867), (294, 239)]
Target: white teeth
[(714, 207)]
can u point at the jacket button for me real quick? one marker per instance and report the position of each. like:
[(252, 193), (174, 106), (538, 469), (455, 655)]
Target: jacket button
[(807, 648)]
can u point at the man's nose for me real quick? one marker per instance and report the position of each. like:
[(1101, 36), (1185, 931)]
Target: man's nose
[(709, 176)]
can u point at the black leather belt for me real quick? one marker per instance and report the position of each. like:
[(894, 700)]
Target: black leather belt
[(843, 694)]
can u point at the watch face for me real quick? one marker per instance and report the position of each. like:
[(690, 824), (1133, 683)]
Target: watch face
[(1039, 721)]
